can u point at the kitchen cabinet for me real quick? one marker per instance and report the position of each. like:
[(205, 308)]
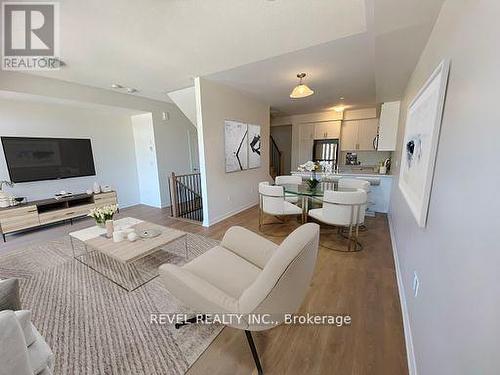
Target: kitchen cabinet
[(359, 135), (327, 130), (367, 134), (306, 142), (388, 126)]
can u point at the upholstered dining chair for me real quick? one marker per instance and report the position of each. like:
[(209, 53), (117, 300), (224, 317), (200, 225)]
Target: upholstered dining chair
[(250, 276), (272, 202), (289, 180), (356, 183), (343, 210)]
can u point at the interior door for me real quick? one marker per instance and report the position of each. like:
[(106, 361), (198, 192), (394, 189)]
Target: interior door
[(349, 136), (367, 134)]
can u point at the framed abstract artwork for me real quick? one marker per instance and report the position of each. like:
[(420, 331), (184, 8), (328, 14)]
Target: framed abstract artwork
[(420, 143), (236, 146), (254, 146)]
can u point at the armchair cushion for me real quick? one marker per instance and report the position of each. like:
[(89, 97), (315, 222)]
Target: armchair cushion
[(225, 270), (9, 295), (196, 292), (249, 245)]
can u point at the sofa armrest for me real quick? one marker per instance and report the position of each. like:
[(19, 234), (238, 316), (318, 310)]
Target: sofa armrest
[(195, 292), (249, 245), (9, 295), (13, 351)]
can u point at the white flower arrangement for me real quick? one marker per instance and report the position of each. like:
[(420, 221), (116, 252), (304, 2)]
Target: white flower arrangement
[(101, 214), (309, 166)]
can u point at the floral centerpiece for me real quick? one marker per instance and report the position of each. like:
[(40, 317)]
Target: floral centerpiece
[(101, 214), (312, 167)]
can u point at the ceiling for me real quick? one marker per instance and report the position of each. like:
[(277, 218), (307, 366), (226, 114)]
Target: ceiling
[(158, 46), (365, 69), (363, 50)]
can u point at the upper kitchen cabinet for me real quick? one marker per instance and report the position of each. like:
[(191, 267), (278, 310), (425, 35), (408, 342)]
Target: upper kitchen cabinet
[(359, 135), (388, 126), (327, 130)]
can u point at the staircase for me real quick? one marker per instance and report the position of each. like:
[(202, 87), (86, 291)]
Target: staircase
[(275, 159), (185, 197)]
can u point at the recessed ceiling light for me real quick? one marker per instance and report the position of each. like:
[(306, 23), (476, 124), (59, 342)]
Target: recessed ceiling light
[(342, 98), (116, 86)]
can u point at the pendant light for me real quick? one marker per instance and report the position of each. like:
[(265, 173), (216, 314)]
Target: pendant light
[(301, 90)]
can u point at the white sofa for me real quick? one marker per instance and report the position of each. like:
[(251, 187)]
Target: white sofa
[(23, 350)]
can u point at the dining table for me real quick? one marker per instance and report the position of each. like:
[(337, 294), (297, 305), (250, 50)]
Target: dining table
[(306, 194)]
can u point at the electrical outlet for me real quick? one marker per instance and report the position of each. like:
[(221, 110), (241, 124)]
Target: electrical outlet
[(416, 284), (229, 198)]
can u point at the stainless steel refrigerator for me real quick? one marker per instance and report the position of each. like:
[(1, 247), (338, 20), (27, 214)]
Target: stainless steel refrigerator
[(326, 150)]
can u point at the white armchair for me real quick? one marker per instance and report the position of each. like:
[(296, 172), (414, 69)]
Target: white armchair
[(343, 209), (248, 274)]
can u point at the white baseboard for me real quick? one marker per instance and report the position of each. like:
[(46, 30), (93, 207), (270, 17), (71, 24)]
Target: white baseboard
[(229, 214), (410, 354)]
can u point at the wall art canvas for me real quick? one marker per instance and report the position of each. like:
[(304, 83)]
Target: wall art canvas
[(423, 123), (254, 144), (236, 146)]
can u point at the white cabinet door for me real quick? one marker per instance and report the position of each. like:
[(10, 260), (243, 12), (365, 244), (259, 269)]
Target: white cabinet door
[(307, 131), (333, 129), (305, 150), (388, 126), (349, 136), (327, 130), (320, 130), (367, 134)]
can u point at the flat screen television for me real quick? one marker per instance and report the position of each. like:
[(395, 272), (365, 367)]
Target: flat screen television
[(36, 159)]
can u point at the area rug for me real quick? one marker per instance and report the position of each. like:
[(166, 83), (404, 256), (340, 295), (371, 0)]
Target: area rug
[(95, 327)]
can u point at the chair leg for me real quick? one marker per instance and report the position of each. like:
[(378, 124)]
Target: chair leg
[(254, 352)]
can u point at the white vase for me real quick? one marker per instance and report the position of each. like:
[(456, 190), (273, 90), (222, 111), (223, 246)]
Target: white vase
[(4, 199), (97, 188)]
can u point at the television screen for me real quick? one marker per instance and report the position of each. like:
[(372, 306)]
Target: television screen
[(36, 159)]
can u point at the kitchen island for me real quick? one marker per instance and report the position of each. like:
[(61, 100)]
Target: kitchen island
[(380, 186)]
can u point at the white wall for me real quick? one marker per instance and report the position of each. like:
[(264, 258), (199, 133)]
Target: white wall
[(227, 193), (145, 154), (112, 143), (171, 138), (454, 319)]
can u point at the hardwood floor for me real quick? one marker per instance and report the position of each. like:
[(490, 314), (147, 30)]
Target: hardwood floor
[(362, 285)]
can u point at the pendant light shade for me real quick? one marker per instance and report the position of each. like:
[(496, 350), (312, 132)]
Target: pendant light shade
[(301, 90)]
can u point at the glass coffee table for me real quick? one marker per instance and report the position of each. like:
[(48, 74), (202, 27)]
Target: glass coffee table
[(128, 264)]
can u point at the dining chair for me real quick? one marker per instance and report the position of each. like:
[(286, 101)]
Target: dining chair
[(343, 209), (272, 202), (356, 183), (289, 180)]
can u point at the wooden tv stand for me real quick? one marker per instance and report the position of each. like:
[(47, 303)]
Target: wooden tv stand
[(48, 211)]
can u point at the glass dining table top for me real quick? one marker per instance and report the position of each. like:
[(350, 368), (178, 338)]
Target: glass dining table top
[(304, 190)]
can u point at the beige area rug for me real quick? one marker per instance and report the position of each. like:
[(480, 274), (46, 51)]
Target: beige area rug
[(94, 326)]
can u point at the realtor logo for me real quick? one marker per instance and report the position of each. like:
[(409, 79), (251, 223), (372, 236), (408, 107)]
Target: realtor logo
[(30, 36)]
